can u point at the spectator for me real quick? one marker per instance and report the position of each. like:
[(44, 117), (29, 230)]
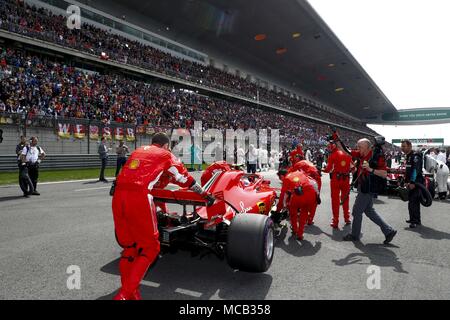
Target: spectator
[(31, 156), (252, 159), (121, 150), (24, 179), (103, 154)]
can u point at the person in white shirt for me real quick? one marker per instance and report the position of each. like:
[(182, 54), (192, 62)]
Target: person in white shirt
[(264, 158), (240, 156), (308, 155), (218, 152), (442, 156), (31, 157), (252, 159)]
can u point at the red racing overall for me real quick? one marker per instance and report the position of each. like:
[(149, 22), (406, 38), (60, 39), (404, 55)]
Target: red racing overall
[(135, 215), (310, 170), (339, 166), (168, 177), (296, 155), (299, 194)]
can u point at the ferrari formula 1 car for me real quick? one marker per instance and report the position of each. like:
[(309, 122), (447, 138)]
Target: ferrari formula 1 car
[(236, 227), (396, 179)]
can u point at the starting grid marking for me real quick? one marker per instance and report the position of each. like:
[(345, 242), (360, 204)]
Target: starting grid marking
[(189, 292), (100, 188), (186, 292)]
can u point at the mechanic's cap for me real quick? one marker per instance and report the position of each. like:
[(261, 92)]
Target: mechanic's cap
[(161, 139)]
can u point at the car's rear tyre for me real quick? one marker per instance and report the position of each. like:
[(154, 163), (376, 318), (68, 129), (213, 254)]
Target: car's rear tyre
[(250, 243)]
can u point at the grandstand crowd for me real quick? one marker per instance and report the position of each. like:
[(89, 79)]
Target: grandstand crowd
[(39, 23), (39, 85), (42, 87)]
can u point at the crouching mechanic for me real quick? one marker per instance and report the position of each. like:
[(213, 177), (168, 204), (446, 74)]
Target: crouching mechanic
[(298, 194), (296, 155), (135, 214)]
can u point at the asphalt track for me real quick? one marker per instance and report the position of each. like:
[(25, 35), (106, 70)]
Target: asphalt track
[(71, 224)]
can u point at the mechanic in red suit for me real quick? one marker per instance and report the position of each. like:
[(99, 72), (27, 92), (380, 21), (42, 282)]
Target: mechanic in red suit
[(339, 166), (298, 194), (296, 155), (310, 169), (134, 210)]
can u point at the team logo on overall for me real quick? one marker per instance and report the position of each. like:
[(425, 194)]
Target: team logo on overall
[(296, 179), (261, 207), (343, 163), (134, 164)]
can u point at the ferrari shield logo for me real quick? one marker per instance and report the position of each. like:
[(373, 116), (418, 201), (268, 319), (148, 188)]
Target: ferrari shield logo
[(134, 164), (261, 207), (343, 163), (296, 179)]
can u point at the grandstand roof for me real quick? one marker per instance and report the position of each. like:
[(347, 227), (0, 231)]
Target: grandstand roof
[(285, 38)]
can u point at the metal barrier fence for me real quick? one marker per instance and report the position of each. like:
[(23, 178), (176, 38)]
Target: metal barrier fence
[(60, 161)]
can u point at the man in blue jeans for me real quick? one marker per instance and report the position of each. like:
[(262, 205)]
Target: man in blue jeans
[(369, 169)]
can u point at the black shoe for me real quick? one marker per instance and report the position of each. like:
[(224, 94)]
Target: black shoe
[(105, 181), (350, 237), (35, 193), (26, 195), (113, 188), (390, 236), (413, 225)]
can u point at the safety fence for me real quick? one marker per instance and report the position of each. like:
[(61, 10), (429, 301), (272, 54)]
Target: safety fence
[(60, 161)]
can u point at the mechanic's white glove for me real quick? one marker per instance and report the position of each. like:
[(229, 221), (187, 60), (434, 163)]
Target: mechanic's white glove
[(198, 189)]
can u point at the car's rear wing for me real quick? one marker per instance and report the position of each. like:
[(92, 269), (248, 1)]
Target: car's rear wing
[(182, 197)]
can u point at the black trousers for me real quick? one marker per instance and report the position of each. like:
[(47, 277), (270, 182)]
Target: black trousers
[(120, 163), (33, 172), (414, 205), (25, 183), (102, 170), (251, 168)]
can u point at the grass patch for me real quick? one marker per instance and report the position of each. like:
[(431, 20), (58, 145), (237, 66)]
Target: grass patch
[(46, 175), (58, 175)]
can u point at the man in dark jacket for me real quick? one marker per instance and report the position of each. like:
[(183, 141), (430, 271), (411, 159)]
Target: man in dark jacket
[(414, 164)]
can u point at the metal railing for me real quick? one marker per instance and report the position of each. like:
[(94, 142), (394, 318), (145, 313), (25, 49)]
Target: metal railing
[(60, 161)]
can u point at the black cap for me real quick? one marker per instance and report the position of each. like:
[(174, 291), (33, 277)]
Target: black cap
[(161, 139)]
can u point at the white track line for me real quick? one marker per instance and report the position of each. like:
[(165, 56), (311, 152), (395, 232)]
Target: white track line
[(100, 188), (189, 292), (57, 182), (150, 284)]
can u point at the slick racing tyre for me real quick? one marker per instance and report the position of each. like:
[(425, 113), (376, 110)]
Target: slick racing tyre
[(250, 243)]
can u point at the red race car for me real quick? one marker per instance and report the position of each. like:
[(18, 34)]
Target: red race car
[(236, 227), (396, 178)]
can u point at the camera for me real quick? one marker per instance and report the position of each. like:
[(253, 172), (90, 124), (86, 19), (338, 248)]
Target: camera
[(380, 141), (334, 136)]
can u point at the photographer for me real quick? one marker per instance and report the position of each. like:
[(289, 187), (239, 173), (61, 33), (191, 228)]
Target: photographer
[(24, 179), (413, 175), (31, 157), (121, 150), (371, 170)]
